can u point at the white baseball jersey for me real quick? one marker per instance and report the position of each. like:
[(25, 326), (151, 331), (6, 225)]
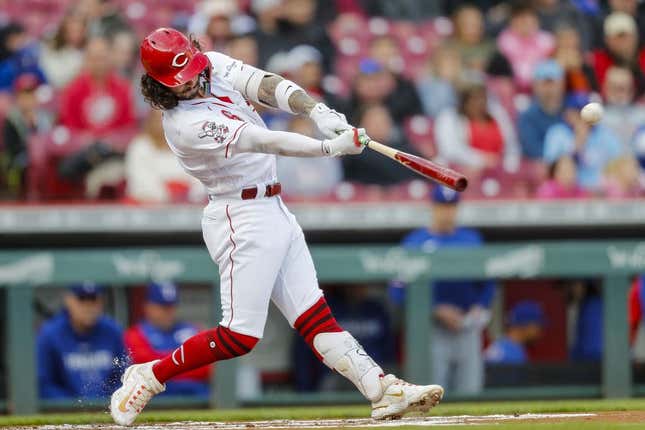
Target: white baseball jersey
[(257, 244), (201, 132)]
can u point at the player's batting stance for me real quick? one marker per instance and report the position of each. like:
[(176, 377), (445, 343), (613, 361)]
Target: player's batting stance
[(256, 242)]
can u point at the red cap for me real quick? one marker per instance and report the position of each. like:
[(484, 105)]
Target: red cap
[(170, 58)]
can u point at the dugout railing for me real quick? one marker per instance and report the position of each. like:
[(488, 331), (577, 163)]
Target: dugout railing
[(613, 261)]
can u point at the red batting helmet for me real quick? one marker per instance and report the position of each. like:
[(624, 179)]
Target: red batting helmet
[(170, 58)]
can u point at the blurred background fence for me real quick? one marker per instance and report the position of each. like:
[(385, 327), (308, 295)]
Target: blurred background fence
[(615, 262)]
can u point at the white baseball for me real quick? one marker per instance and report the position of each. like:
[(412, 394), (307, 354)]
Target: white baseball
[(592, 113)]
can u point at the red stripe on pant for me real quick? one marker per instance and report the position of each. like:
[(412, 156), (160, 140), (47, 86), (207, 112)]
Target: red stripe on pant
[(315, 320), (204, 348)]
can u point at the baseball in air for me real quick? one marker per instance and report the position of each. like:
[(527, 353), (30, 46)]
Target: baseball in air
[(591, 113)]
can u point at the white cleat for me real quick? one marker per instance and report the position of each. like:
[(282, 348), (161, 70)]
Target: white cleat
[(400, 398), (138, 386)]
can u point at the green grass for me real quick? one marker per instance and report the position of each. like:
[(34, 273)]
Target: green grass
[(256, 414)]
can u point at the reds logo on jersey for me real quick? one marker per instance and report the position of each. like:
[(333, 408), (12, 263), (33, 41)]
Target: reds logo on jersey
[(214, 130)]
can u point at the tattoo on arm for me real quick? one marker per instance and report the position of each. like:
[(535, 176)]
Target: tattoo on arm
[(266, 91), (300, 102)]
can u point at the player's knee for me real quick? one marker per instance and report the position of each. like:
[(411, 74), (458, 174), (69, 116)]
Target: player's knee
[(234, 344)]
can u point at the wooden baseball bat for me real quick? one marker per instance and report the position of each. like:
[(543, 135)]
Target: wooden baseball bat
[(436, 172)]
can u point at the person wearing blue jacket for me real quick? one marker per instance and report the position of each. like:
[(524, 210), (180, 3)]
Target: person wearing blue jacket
[(160, 332), (525, 324), (461, 308), (80, 350)]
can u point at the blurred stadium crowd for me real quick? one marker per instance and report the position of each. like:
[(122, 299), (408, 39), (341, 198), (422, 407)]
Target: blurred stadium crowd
[(491, 87)]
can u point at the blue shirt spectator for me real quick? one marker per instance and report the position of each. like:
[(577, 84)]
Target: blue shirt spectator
[(545, 109), (599, 144), (80, 351), (23, 61), (525, 322), (160, 333), (461, 293)]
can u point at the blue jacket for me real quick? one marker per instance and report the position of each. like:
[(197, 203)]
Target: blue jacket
[(532, 125), (75, 366), (588, 344), (23, 61), (461, 293)]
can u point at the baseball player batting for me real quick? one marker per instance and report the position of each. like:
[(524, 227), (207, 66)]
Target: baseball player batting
[(257, 243)]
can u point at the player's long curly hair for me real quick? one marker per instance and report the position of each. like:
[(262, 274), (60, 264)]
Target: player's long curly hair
[(158, 95)]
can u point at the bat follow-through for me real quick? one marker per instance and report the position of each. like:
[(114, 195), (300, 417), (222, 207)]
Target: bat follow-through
[(436, 172)]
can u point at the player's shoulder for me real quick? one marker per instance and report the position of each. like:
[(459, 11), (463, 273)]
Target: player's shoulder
[(107, 325), (54, 325), (469, 234), (416, 237), (223, 66)]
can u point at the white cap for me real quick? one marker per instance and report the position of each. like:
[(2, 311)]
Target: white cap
[(303, 54), (619, 22), (212, 8), (259, 6)]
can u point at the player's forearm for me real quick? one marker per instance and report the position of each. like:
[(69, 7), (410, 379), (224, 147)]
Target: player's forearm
[(256, 139), (299, 101)]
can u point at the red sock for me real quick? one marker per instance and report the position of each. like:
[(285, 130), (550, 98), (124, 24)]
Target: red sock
[(204, 348), (316, 319)]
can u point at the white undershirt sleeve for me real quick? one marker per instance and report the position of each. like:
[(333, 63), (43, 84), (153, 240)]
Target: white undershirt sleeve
[(257, 139)]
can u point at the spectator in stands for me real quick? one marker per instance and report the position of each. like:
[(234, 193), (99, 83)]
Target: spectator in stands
[(160, 332), (554, 14), (371, 167), (384, 50), (80, 350), (478, 134), (579, 76), (358, 310), (213, 19), (524, 325), (591, 146), (545, 109), (524, 44), (20, 55), (630, 7), (622, 115), (61, 58), (461, 309), (299, 26), (562, 182), (267, 14), (103, 17), (124, 46), (621, 178), (438, 88), (305, 63), (469, 38), (153, 174), (621, 49), (308, 178), (98, 101), (376, 85), (244, 48), (22, 121)]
